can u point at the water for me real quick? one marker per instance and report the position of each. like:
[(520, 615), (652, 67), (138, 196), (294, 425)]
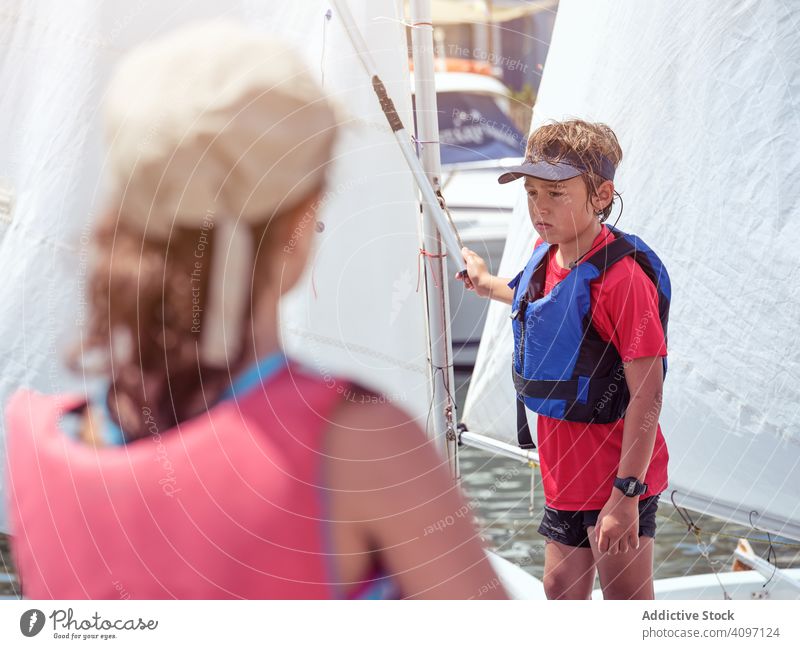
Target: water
[(6, 569), (501, 488)]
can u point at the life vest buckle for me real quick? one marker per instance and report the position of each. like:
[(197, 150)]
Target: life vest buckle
[(519, 312)]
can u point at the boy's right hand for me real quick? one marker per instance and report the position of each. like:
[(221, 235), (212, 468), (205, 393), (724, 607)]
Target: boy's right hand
[(478, 277)]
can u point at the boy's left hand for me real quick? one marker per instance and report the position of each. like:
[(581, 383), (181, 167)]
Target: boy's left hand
[(617, 528)]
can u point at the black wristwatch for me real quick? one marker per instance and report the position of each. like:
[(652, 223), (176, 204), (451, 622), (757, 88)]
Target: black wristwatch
[(630, 486)]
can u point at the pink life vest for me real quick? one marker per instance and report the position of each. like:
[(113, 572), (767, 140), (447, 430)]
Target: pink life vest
[(228, 504)]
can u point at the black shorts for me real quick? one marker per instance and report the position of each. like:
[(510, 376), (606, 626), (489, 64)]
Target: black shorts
[(569, 527)]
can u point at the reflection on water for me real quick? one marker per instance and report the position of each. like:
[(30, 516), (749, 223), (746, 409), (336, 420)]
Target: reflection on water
[(499, 490)]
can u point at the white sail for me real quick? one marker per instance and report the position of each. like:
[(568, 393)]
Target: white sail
[(56, 60), (357, 312), (706, 103)]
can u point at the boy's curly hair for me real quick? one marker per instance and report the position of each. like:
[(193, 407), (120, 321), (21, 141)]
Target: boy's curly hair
[(582, 140)]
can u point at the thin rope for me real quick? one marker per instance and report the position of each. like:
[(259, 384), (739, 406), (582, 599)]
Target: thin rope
[(770, 549), (417, 143), (444, 207), (751, 539), (313, 283), (326, 20), (429, 255), (405, 23), (692, 527)]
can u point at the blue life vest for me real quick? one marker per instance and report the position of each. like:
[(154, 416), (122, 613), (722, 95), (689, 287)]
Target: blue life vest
[(562, 368)]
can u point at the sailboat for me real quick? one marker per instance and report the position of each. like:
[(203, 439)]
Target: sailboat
[(706, 106), (373, 305)]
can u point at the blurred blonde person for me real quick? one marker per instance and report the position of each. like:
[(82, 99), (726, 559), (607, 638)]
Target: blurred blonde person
[(210, 465)]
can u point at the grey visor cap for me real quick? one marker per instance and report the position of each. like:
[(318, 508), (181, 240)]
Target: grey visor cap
[(544, 170)]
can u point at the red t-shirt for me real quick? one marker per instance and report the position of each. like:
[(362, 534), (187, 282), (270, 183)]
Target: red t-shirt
[(579, 460)]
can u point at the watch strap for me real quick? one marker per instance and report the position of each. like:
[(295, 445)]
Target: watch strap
[(630, 486)]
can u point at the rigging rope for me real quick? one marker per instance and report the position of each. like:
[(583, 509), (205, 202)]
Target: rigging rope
[(770, 550), (422, 254), (692, 527)]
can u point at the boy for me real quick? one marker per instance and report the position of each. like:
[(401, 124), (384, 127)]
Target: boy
[(590, 360)]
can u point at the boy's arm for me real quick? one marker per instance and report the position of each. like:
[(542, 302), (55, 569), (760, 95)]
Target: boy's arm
[(619, 531), (496, 288), (482, 282), (629, 317), (645, 379)]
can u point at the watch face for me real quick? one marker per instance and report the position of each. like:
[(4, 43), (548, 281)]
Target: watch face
[(631, 488)]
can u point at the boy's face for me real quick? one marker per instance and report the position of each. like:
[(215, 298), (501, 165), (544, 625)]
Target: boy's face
[(559, 210)]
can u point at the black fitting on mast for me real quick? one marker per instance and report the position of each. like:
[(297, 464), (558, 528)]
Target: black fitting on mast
[(461, 428)]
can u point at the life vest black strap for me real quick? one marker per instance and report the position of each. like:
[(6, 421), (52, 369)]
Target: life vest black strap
[(566, 389), (611, 253), (524, 438), (536, 286), (569, 390)]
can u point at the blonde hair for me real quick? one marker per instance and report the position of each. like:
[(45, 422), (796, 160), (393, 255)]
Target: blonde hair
[(142, 294), (585, 141)]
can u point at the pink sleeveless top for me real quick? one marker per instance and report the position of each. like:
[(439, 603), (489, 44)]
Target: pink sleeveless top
[(230, 504)]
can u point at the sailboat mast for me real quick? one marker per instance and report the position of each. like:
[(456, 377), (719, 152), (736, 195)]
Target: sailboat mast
[(443, 415)]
